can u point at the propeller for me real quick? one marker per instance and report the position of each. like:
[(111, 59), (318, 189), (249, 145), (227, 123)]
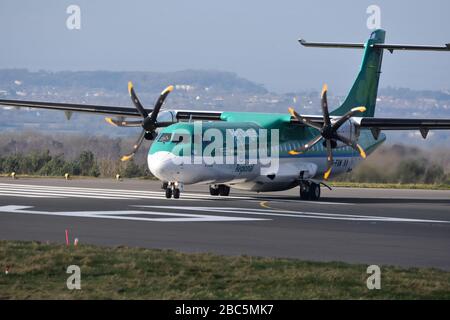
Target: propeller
[(148, 124), (328, 132)]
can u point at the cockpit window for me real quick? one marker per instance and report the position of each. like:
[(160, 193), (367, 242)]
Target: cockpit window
[(165, 137)]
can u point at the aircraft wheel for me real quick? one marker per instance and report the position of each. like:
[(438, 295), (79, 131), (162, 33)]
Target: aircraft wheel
[(213, 191), (176, 193), (305, 190), (314, 191), (224, 190), (168, 193)]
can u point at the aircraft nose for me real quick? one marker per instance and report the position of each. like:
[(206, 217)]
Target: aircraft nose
[(163, 165)]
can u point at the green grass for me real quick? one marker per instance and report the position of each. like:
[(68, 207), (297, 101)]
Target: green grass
[(38, 271)]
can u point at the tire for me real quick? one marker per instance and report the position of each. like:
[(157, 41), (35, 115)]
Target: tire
[(305, 191), (314, 192), (168, 193), (213, 191), (176, 193), (224, 190)]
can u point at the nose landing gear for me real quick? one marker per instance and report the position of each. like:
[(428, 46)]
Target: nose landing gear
[(173, 189)]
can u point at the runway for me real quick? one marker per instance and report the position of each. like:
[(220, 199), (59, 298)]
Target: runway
[(372, 226)]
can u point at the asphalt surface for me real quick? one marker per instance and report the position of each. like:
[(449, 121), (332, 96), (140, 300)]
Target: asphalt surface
[(370, 226)]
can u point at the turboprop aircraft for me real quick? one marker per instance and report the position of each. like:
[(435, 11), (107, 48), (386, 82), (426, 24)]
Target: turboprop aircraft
[(262, 151)]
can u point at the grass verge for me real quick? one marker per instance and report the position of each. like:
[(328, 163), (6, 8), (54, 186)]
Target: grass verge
[(38, 271)]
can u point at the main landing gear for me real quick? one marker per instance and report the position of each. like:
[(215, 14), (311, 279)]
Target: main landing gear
[(172, 189), (309, 190), (219, 190)]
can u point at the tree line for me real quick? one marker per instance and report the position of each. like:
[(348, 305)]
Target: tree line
[(406, 171), (46, 164)]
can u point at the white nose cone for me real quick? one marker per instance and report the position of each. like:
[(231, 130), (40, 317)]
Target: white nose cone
[(162, 165)]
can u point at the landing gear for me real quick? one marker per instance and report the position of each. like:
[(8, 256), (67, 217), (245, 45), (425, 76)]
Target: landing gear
[(224, 190), (214, 191), (309, 190), (173, 189), (221, 189)]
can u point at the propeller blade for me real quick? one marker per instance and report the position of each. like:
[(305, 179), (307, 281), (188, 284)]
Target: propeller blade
[(326, 114), (136, 101), (347, 116), (124, 123), (135, 147), (306, 147), (160, 102), (329, 160), (352, 144), (304, 120)]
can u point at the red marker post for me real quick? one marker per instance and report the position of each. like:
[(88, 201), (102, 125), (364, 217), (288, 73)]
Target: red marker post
[(67, 237)]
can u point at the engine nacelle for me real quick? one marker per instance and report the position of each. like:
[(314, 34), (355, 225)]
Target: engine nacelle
[(349, 130)]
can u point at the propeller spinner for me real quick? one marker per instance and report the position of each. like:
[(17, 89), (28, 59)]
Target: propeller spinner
[(328, 132)]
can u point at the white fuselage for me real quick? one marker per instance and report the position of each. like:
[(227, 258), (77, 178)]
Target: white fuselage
[(167, 167)]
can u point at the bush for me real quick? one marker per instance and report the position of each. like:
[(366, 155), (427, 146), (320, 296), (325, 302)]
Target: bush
[(133, 170), (43, 163), (86, 165), (411, 171), (434, 174)]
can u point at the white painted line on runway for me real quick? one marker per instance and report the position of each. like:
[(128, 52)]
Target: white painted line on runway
[(112, 191), (124, 215), (300, 214), (109, 192), (61, 194), (28, 195), (122, 194)]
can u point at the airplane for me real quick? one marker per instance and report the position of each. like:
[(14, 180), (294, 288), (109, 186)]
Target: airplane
[(310, 149)]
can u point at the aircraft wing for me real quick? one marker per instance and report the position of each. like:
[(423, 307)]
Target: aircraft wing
[(114, 111), (378, 124), (423, 125), (403, 124), (72, 107)]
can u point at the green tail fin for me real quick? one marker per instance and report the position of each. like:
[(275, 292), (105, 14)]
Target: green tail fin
[(365, 87)]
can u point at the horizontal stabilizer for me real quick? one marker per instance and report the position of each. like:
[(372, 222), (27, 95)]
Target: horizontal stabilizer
[(331, 44), (389, 47)]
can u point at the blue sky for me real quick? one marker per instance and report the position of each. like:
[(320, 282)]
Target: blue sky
[(256, 39)]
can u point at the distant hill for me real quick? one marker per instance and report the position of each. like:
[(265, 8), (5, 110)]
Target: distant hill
[(12, 79)]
